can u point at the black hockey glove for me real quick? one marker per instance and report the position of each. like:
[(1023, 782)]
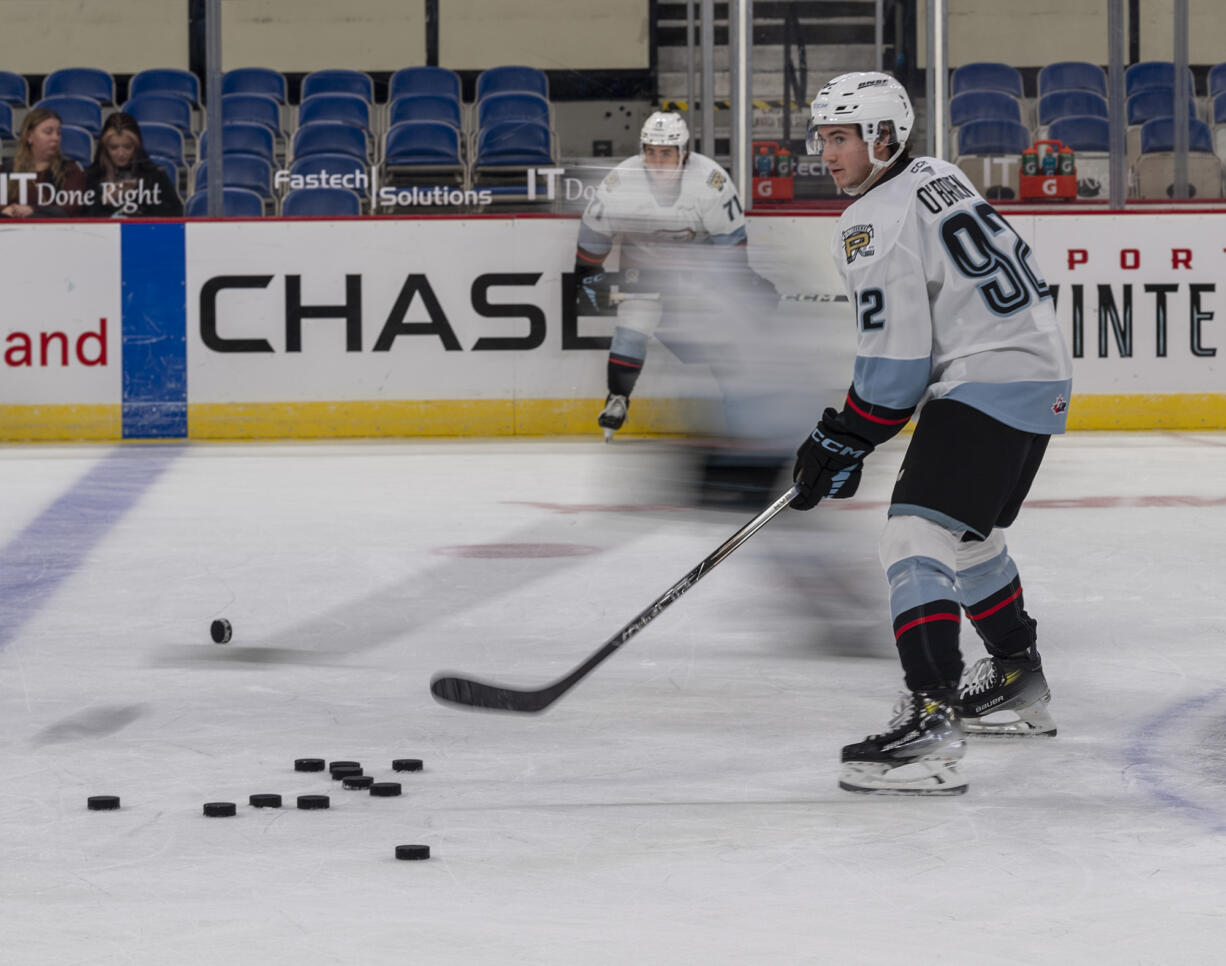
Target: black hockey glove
[(592, 290), (828, 463)]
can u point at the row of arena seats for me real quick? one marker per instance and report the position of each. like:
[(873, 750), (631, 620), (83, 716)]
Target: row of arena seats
[(424, 134), (992, 122)]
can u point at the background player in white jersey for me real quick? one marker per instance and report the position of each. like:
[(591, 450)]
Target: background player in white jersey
[(678, 220), (955, 323)]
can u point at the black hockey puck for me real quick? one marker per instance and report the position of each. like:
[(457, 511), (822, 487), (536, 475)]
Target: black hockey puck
[(344, 764), (102, 803), (220, 809), (406, 764), (357, 781), (221, 631), (313, 801), (346, 771), (412, 851), (308, 764), (265, 801), (385, 789)]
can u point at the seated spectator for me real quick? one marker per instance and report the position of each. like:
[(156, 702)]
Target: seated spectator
[(58, 190), (123, 181)]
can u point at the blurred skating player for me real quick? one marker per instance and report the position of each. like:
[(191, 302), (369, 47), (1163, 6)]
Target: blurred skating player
[(682, 261), (652, 204), (955, 324)]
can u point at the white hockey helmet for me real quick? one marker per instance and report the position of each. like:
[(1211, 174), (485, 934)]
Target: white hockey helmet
[(667, 129), (873, 102)]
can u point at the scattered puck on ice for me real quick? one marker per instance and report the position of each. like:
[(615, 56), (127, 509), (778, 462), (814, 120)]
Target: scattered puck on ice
[(385, 789), (406, 764), (412, 851), (313, 801), (220, 809), (346, 771), (265, 801), (221, 631), (333, 765), (357, 781), (308, 764), (103, 803)]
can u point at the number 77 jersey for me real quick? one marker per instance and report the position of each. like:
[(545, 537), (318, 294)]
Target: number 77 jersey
[(949, 302)]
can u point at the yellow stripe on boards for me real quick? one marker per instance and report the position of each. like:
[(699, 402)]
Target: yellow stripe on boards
[(61, 421)]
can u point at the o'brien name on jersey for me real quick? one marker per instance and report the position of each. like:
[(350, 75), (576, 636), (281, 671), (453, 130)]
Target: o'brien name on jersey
[(129, 200), (943, 192)]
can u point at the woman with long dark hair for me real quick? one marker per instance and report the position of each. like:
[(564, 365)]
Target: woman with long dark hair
[(123, 181)]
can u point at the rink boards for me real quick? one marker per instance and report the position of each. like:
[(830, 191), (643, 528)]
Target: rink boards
[(464, 326)]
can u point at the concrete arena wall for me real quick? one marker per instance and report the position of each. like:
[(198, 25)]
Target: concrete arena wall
[(461, 326)]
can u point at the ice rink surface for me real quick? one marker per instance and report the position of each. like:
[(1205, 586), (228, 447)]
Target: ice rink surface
[(679, 806)]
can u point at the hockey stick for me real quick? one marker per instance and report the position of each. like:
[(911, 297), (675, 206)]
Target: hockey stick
[(449, 689)]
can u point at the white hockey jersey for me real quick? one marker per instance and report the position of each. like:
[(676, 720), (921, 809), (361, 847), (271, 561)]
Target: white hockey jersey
[(949, 303), (702, 208)]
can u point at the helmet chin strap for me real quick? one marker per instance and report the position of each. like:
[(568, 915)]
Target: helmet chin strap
[(879, 168)]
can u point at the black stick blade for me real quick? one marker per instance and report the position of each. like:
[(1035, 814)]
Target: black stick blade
[(476, 694)]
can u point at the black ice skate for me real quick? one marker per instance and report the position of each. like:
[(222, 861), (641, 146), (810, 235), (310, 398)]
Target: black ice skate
[(1007, 697), (613, 415), (916, 756)]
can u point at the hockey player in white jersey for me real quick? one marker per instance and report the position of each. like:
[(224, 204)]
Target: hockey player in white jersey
[(657, 205), (955, 325)]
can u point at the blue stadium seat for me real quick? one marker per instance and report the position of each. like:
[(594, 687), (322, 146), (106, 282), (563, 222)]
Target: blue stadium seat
[(321, 203), (330, 164), (243, 136), (162, 141), (329, 137), (6, 120), (78, 144), (1068, 103), (338, 82), (1219, 108), (422, 143), (987, 76), (1154, 102), (255, 80), (161, 109), (425, 107), (424, 80), (345, 108), (171, 169), (495, 80), (1150, 74), (512, 106), (240, 171), (83, 112), (236, 203), (993, 137), (14, 89), (166, 80), (1217, 80), (1159, 135), (254, 109), (983, 106), (89, 82), (515, 144), (1082, 133), (1072, 75)]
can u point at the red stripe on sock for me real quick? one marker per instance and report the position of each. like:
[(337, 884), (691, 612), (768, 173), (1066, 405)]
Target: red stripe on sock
[(924, 620), (628, 365), (992, 610)]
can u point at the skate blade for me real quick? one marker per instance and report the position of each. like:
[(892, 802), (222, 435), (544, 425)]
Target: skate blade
[(608, 434), (923, 776), (1033, 722)]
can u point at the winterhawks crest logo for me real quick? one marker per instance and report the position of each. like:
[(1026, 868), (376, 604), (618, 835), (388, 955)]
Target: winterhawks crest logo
[(1060, 405)]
